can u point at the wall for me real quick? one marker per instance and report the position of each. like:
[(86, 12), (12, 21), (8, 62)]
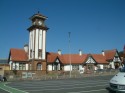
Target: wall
[(2, 68), (18, 74), (49, 67), (101, 66), (67, 67)]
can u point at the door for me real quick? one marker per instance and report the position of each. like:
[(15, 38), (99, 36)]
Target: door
[(90, 68)]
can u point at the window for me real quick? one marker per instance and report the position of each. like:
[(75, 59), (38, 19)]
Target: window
[(22, 66), (56, 66), (31, 53), (116, 58), (39, 66), (75, 67), (30, 66), (40, 53)]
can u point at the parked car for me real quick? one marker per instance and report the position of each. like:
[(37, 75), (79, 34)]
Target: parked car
[(117, 83)]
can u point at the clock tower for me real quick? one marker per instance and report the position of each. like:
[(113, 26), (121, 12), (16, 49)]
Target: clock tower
[(37, 42)]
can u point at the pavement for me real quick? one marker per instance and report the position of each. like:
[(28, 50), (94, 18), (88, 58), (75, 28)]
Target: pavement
[(96, 84)]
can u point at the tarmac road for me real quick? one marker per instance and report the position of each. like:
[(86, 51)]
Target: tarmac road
[(80, 85), (3, 91)]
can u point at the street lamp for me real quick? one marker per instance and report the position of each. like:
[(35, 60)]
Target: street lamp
[(69, 55)]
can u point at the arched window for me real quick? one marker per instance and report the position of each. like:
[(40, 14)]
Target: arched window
[(39, 66)]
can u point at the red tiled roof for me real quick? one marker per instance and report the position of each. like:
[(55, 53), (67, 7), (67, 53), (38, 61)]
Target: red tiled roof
[(18, 55), (75, 58), (51, 57), (109, 54), (21, 55), (65, 58), (99, 58)]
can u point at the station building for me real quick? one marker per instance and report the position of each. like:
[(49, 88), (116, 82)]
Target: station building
[(35, 57)]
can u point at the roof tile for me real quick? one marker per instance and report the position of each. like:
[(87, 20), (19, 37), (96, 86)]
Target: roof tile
[(18, 55)]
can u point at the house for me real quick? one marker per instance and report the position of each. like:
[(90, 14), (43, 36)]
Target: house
[(108, 59), (18, 59), (65, 62), (113, 57)]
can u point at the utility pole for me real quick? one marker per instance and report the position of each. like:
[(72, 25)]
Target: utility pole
[(69, 55)]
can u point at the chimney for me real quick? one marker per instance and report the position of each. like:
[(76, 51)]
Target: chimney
[(26, 48), (103, 53), (80, 52), (59, 52)]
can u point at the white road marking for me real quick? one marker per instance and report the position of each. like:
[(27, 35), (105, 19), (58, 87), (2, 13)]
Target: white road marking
[(88, 91), (65, 88), (60, 85), (57, 86)]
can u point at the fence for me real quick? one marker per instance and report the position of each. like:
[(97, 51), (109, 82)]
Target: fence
[(38, 75)]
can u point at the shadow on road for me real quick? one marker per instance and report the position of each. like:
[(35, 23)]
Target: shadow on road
[(109, 90)]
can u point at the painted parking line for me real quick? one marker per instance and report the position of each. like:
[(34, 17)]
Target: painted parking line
[(56, 89), (57, 86), (88, 91), (94, 85), (10, 89)]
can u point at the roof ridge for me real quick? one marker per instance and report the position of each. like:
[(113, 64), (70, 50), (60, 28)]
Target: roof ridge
[(109, 50), (17, 49)]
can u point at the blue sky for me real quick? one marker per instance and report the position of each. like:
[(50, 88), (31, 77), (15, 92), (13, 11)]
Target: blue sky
[(95, 25)]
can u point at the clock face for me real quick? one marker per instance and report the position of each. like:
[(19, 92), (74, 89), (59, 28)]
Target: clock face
[(40, 22)]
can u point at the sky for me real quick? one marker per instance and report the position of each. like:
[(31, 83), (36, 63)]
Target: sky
[(95, 25)]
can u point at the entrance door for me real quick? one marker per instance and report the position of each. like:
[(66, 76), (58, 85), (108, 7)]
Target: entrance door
[(116, 65), (90, 67)]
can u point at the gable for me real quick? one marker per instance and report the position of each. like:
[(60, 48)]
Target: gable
[(116, 54), (117, 58), (109, 54), (57, 61), (99, 58), (51, 57), (90, 60)]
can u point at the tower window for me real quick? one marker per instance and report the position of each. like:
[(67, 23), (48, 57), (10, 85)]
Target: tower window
[(40, 53), (39, 66), (31, 53)]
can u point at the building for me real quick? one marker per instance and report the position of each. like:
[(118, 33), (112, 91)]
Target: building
[(108, 59), (3, 66), (35, 57)]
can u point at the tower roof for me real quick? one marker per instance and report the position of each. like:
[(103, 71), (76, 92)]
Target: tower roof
[(39, 16)]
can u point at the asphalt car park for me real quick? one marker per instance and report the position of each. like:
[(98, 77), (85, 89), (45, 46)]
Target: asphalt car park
[(78, 85), (3, 91)]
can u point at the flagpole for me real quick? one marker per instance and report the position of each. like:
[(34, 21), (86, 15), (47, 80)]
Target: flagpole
[(69, 55)]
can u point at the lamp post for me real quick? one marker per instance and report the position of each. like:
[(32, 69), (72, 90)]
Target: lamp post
[(69, 55)]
